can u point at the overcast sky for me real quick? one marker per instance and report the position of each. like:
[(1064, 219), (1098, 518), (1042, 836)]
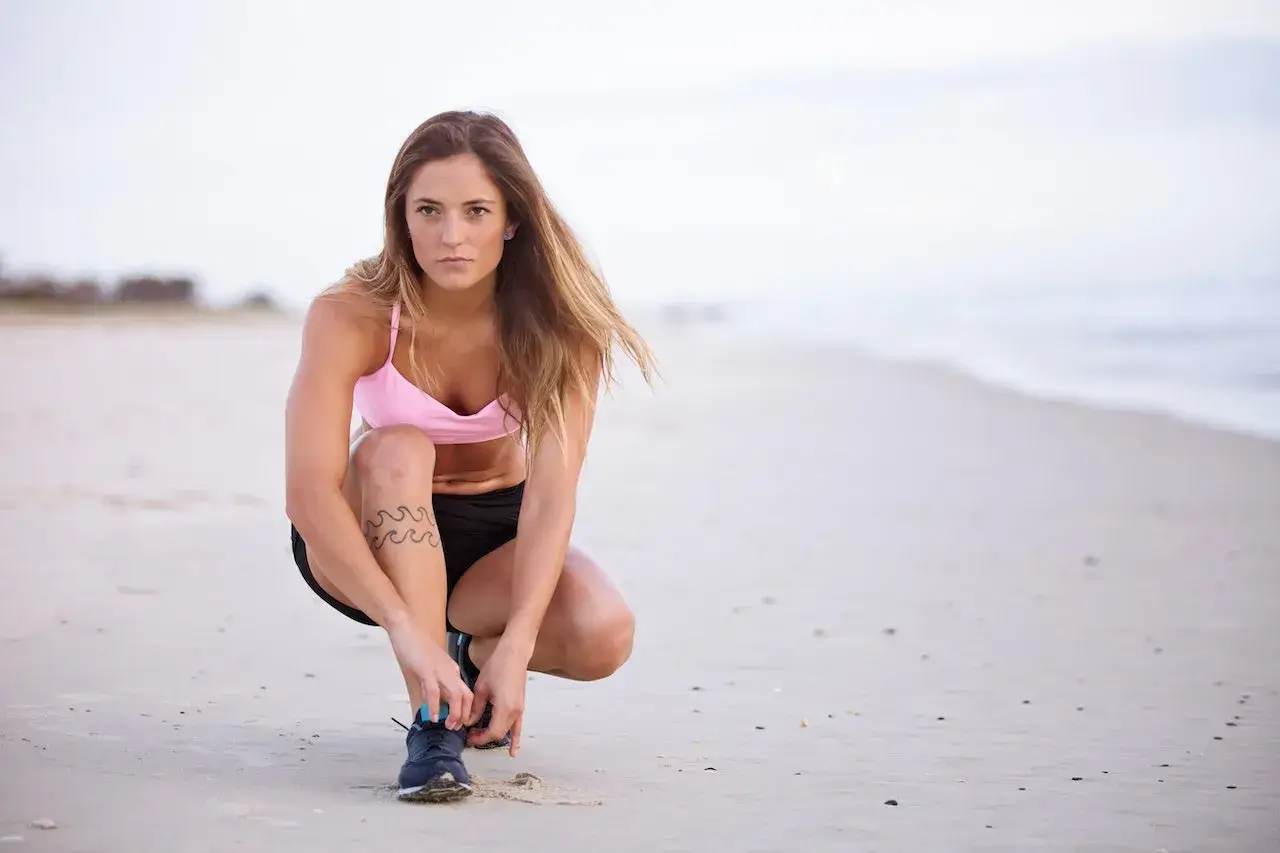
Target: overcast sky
[(248, 143)]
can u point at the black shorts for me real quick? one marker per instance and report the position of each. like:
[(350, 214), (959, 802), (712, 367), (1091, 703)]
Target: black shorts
[(470, 526)]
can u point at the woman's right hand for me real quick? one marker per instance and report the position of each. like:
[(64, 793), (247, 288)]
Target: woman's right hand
[(437, 673)]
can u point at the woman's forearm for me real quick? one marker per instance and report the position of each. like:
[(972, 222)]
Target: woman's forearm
[(333, 537), (539, 557)]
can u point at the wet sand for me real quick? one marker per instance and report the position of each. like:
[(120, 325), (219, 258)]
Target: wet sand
[(1031, 625)]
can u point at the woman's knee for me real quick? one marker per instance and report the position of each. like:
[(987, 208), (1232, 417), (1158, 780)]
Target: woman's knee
[(601, 638), (394, 453)]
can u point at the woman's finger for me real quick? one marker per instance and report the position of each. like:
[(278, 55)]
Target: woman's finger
[(431, 696), (453, 697), (516, 726), (464, 712), (478, 702), (499, 722)]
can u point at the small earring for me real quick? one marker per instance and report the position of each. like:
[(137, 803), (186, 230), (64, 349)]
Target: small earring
[(507, 236)]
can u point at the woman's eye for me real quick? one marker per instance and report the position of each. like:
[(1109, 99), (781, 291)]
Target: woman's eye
[(476, 211), (425, 209)]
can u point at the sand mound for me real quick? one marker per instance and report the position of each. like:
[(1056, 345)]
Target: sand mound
[(528, 788)]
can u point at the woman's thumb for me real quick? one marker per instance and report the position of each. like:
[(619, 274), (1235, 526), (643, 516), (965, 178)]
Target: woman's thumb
[(479, 699)]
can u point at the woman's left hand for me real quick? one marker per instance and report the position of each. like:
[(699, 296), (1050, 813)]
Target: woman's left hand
[(501, 683)]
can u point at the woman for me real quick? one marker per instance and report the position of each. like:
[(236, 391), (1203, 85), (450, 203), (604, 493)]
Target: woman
[(473, 347)]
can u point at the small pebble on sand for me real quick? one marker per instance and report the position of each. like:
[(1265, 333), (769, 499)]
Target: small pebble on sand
[(43, 823), (1076, 778), (804, 722), (890, 631), (890, 802)]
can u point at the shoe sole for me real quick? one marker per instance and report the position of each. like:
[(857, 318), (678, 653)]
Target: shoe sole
[(446, 789)]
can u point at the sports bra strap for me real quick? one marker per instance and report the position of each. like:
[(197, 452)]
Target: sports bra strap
[(395, 330)]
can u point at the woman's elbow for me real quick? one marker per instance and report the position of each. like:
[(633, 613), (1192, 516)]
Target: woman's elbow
[(303, 497), (295, 505)]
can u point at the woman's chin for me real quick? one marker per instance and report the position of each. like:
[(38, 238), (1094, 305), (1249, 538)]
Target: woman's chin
[(454, 280)]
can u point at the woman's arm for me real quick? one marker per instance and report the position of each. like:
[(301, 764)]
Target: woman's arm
[(546, 518), (336, 350)]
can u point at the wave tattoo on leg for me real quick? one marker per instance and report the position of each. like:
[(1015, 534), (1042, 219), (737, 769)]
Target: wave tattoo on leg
[(411, 526)]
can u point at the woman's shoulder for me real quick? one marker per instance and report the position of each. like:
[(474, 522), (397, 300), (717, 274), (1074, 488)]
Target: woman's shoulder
[(350, 318), (351, 303)]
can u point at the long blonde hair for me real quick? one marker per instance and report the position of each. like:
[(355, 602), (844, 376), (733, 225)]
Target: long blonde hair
[(552, 305)]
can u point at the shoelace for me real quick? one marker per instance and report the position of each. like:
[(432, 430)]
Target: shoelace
[(430, 741), (480, 723), (406, 728)]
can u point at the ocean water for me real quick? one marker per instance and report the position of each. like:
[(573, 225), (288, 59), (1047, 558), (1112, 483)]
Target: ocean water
[(1206, 352)]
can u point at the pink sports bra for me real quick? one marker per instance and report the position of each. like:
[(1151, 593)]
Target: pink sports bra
[(386, 397)]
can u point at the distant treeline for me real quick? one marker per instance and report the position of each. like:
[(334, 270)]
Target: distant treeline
[(45, 290)]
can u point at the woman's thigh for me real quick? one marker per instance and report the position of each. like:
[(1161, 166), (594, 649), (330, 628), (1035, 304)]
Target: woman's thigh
[(481, 601)]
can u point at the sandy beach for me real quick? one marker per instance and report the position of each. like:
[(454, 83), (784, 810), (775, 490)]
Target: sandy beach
[(1030, 625)]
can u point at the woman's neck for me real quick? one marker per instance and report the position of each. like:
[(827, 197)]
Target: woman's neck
[(459, 306)]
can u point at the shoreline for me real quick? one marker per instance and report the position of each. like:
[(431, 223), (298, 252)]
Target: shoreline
[(724, 337), (1103, 398), (1097, 401)]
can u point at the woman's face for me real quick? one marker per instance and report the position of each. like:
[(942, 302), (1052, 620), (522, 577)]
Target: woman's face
[(457, 221)]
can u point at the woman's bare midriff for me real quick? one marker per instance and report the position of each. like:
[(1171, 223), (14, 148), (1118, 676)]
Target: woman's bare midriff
[(472, 469)]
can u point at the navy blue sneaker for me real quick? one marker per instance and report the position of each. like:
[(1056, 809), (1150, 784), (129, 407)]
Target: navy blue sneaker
[(433, 771), (459, 644)]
